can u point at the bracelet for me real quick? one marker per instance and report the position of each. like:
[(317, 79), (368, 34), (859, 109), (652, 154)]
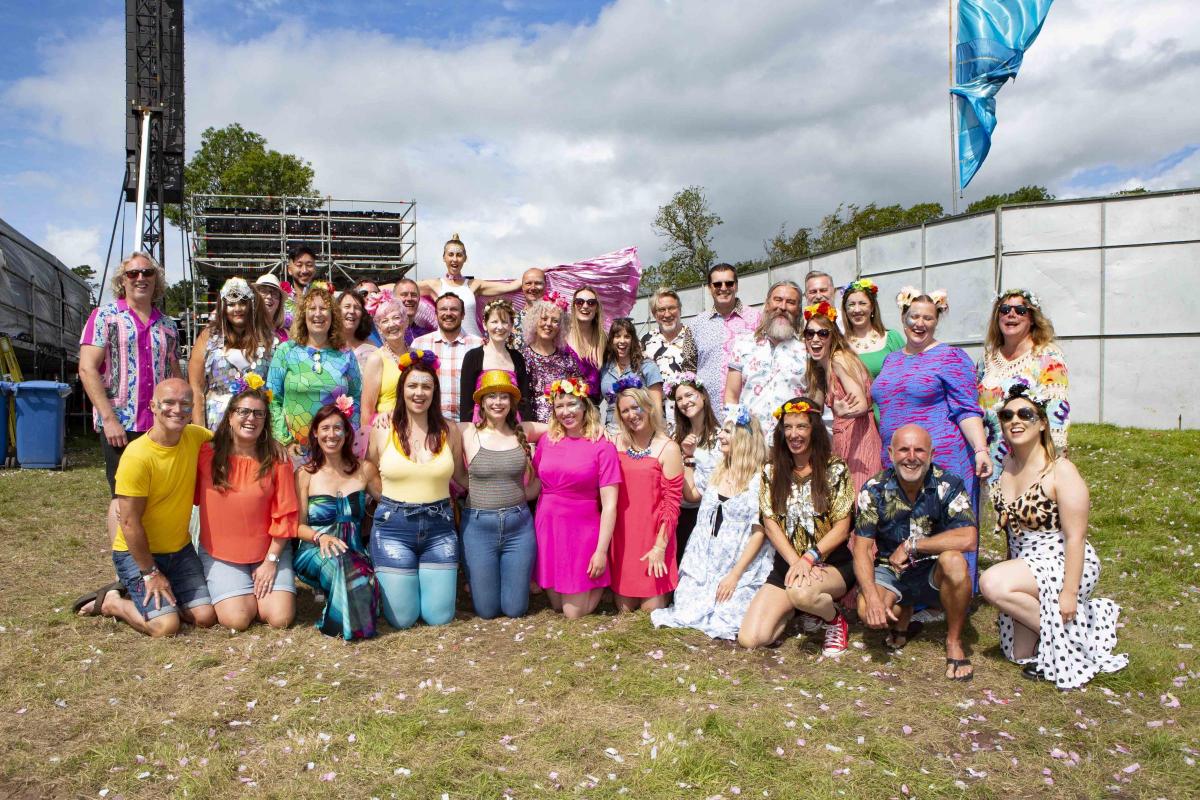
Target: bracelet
[(814, 554), (981, 449), (808, 555), (689, 462)]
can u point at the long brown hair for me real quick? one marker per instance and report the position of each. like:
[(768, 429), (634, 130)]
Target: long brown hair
[(316, 456), (437, 423), (782, 462), (816, 373), (510, 420), (259, 331), (876, 316), (707, 435), (636, 356), (266, 450)]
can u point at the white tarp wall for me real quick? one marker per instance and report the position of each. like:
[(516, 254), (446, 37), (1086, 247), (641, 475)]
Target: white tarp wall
[(1119, 277)]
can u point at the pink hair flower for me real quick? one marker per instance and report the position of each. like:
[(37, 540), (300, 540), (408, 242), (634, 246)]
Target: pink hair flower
[(345, 404)]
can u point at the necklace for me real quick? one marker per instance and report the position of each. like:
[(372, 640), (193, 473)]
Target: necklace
[(639, 454), (865, 344)]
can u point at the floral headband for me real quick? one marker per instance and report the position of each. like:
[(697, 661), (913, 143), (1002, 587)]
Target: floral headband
[(557, 299), (689, 378), (792, 407), (1021, 389), (345, 404), (862, 285), (740, 415), (323, 286), (373, 303), (572, 386), (250, 382), (235, 290), (1029, 296), (426, 357), (821, 309), (628, 382), (499, 302), (910, 293)]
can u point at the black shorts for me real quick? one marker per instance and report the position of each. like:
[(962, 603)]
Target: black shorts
[(844, 567), (112, 457)]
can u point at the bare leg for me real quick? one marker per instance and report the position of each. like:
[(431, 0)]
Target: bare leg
[(819, 594), (126, 611), (766, 617), (953, 579), (204, 616), (653, 603), (237, 613), (555, 600), (277, 609), (1012, 588), (581, 604)]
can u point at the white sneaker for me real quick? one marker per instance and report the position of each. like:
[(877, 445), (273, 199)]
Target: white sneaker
[(837, 636)]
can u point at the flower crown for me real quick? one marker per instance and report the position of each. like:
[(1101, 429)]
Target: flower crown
[(323, 286), (378, 300), (1029, 296), (572, 386), (1024, 391), (426, 357), (742, 416), (861, 285), (628, 382), (236, 289), (250, 382), (557, 299), (345, 404), (910, 293), (499, 302), (792, 407), (822, 309), (689, 378)]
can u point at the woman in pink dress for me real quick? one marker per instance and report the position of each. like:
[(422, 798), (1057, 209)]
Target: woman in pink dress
[(841, 377), (578, 506), (642, 552)]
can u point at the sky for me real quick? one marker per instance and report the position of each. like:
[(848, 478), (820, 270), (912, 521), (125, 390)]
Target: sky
[(547, 132)]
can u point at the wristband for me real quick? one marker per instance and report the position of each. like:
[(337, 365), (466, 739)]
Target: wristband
[(147, 574), (814, 554)]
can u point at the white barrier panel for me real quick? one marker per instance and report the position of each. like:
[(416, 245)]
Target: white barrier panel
[(1067, 284)]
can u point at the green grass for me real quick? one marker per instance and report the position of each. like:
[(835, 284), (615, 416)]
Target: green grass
[(603, 707)]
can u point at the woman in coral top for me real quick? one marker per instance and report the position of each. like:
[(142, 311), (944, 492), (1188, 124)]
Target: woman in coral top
[(247, 500)]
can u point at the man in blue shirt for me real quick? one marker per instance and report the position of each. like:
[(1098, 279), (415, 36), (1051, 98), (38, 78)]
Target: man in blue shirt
[(920, 517)]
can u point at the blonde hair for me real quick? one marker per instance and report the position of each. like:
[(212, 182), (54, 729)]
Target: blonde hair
[(575, 334), (299, 332), (652, 410), (747, 453), (533, 315), (160, 278), (592, 427), (1041, 330), (454, 240), (1045, 440)]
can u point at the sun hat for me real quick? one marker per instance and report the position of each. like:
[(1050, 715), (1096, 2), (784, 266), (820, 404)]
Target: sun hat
[(269, 279), (496, 380)]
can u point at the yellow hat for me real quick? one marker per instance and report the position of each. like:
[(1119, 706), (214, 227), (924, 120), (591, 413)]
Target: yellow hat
[(496, 380)]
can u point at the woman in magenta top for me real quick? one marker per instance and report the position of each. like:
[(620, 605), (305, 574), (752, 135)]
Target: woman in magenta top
[(248, 515), (578, 506)]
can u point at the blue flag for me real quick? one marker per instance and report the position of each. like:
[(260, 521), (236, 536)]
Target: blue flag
[(993, 36)]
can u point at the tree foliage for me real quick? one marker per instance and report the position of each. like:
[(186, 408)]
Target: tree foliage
[(233, 160), (1026, 194), (178, 298), (687, 224), (88, 275), (844, 226)]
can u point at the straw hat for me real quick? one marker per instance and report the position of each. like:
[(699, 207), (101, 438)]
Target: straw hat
[(269, 279), (496, 380)]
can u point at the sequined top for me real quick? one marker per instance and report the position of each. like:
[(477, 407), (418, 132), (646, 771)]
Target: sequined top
[(803, 527)]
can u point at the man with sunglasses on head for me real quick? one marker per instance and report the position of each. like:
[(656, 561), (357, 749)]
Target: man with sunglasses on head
[(127, 347), (714, 331)]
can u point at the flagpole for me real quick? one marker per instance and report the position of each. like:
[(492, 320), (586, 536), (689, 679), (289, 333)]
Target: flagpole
[(953, 136)]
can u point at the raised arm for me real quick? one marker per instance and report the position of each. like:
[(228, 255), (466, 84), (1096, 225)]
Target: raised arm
[(484, 288)]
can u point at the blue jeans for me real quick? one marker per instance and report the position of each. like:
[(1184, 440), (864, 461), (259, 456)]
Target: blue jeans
[(499, 548), (414, 548), (183, 571)]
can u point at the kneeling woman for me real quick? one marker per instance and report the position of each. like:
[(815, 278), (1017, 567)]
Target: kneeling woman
[(727, 558), (1049, 620), (577, 509), (333, 486), (414, 545), (247, 505), (806, 498)]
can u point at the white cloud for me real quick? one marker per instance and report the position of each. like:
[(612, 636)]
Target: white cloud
[(74, 246), (562, 144)]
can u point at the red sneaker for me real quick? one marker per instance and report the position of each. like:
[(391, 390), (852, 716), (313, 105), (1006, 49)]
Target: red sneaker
[(837, 636)]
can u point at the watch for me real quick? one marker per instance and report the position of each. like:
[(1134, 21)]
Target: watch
[(147, 574), (274, 559)]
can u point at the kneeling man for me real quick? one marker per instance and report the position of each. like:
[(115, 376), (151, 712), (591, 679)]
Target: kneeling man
[(920, 517)]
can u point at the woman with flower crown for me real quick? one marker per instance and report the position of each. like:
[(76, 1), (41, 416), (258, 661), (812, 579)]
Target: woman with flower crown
[(623, 358), (577, 510), (643, 549), (863, 321), (248, 508), (1020, 349), (237, 342)]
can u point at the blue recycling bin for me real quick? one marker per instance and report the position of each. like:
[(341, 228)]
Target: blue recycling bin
[(5, 391), (41, 411)]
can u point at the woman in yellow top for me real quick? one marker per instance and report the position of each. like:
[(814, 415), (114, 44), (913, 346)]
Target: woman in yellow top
[(414, 545)]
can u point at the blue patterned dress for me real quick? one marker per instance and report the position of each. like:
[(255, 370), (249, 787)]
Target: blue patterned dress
[(348, 581)]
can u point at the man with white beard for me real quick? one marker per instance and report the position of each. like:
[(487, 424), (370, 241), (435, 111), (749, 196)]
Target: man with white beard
[(770, 365)]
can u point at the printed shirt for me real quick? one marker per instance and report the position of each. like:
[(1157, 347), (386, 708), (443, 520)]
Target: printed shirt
[(885, 515), (1044, 370), (771, 375), (450, 354), (714, 336), (137, 356), (801, 524)]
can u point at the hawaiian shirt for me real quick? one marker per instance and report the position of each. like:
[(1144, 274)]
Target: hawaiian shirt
[(1044, 371), (714, 336), (137, 356), (450, 354), (771, 375), (673, 358), (885, 515)]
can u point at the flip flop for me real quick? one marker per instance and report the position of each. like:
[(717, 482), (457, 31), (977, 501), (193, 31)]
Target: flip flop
[(97, 596), (961, 662)]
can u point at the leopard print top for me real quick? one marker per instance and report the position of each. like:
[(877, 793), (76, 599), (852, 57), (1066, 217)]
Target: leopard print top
[(1032, 512)]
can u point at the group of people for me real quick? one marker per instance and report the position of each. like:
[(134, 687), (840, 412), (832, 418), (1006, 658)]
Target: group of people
[(727, 475)]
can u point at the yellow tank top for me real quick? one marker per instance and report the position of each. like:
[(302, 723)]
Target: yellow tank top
[(389, 379), (406, 481)]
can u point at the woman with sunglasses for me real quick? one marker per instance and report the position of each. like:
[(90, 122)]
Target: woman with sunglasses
[(585, 335), (1020, 349), (1048, 619), (237, 342), (837, 372), (248, 508), (623, 358)]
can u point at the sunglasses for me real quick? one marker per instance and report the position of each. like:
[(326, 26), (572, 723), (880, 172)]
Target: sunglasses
[(149, 272), (1025, 414), (586, 302), (1006, 308), (723, 284), (257, 413), (813, 333)]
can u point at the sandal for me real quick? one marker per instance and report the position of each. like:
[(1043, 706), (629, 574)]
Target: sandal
[(961, 662), (96, 598), (1031, 672)]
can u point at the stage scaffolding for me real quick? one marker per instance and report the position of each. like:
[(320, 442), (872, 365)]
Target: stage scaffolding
[(247, 236)]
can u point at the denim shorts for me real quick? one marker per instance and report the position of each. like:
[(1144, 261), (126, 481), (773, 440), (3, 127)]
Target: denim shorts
[(226, 579), (406, 536), (183, 571), (913, 587)]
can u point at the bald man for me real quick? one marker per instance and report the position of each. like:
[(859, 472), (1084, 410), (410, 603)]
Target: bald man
[(919, 515), (160, 579)]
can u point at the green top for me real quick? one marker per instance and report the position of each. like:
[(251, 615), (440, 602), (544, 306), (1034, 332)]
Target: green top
[(873, 360)]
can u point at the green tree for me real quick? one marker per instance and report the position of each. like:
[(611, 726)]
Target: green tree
[(687, 224), (1026, 194), (179, 298), (89, 277), (844, 227), (233, 160), (788, 247)]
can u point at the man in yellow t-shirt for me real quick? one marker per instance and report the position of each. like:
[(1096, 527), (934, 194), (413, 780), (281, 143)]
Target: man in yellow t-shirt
[(152, 552)]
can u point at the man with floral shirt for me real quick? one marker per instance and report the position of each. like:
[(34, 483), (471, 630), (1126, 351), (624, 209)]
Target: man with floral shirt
[(919, 516), (769, 365), (671, 347), (715, 330)]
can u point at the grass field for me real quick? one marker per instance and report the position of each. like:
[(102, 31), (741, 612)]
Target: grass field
[(602, 707)]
